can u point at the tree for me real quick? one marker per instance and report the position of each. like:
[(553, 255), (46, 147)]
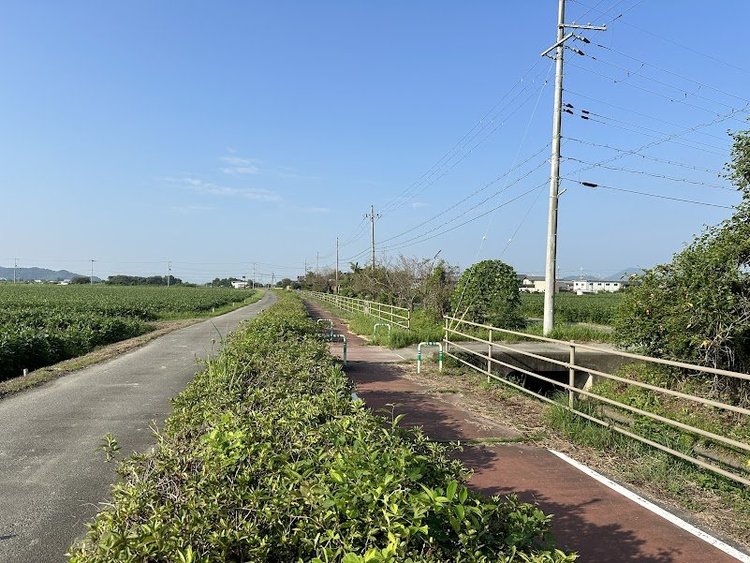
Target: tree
[(697, 307), (437, 289), (487, 293)]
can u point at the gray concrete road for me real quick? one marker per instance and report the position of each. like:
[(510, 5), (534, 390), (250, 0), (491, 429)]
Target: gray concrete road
[(52, 479)]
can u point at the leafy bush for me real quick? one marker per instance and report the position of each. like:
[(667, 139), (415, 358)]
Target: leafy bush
[(267, 458), (487, 293), (697, 307)]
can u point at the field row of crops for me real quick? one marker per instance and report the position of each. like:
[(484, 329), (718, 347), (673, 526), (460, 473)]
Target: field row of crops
[(44, 324), (268, 458), (599, 308)]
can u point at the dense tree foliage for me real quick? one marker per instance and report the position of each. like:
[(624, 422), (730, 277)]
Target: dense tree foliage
[(697, 307), (487, 293)]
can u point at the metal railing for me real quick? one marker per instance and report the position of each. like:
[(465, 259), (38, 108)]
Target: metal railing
[(714, 447), (400, 316)]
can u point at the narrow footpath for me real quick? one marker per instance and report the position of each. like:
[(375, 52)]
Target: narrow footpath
[(590, 518)]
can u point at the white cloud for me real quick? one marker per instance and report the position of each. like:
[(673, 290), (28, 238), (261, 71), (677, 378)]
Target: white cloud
[(418, 204), (190, 209), (209, 188), (239, 165)]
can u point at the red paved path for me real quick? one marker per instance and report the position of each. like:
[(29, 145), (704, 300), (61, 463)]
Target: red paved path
[(598, 523)]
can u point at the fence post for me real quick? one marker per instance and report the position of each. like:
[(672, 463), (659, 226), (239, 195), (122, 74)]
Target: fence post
[(489, 357), (572, 375), (408, 321)]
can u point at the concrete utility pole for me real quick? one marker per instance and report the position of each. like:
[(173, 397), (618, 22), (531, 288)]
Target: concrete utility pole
[(92, 271), (372, 217), (169, 272), (337, 265), (253, 275), (317, 263), (15, 267), (554, 180)]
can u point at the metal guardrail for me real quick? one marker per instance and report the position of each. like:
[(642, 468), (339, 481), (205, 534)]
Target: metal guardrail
[(712, 449), (400, 316)]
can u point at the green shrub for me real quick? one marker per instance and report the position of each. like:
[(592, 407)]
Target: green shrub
[(267, 458), (487, 293)]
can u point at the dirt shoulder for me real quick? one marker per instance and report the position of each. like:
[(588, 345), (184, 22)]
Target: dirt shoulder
[(44, 375)]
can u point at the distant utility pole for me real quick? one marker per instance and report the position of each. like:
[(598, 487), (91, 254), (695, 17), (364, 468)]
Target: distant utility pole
[(169, 272), (554, 182), (253, 275), (317, 263), (15, 267), (273, 278), (372, 217), (92, 271), (337, 264)]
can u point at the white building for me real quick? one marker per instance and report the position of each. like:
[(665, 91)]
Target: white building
[(587, 286), (239, 284), (538, 284)]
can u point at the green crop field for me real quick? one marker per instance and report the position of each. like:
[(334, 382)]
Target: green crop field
[(44, 324), (598, 308)]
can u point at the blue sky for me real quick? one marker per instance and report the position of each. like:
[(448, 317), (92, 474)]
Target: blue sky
[(225, 134)]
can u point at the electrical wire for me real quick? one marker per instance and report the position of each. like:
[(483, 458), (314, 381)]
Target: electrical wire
[(590, 116), (651, 174), (471, 195), (644, 89), (680, 76), (479, 204), (471, 220), (632, 111), (638, 150), (455, 152), (594, 185), (643, 156), (667, 40)]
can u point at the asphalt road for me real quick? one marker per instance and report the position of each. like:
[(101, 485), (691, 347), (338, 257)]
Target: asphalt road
[(52, 479)]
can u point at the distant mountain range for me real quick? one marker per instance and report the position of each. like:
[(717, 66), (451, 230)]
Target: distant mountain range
[(43, 274)]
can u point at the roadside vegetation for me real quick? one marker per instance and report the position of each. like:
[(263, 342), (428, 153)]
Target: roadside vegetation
[(44, 324), (268, 458)]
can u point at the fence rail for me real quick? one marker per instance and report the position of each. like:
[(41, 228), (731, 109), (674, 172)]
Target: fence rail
[(714, 447), (399, 316)]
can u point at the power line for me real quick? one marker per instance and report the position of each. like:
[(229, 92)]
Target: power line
[(594, 185), (680, 45), (652, 174), (487, 120), (473, 194), (477, 205), (680, 76), (407, 243), (636, 151), (657, 81), (591, 116), (644, 89), (635, 112), (643, 156)]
